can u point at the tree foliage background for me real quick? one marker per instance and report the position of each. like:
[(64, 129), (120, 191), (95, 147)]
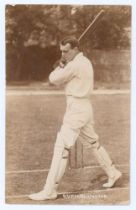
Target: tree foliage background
[(33, 33)]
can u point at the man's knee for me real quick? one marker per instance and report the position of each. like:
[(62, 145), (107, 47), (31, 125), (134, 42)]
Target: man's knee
[(67, 136), (60, 151)]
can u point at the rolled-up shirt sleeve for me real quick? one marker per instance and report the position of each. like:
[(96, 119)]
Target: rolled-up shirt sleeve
[(61, 75)]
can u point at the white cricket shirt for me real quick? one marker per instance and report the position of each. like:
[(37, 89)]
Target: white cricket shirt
[(77, 76)]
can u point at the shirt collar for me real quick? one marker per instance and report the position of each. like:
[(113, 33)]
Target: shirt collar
[(78, 55)]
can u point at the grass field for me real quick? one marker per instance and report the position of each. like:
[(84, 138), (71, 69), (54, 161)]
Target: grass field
[(32, 122)]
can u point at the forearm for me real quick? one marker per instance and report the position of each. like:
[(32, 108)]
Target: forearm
[(55, 76), (61, 75)]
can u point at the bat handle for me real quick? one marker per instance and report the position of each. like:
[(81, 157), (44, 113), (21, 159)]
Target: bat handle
[(90, 25)]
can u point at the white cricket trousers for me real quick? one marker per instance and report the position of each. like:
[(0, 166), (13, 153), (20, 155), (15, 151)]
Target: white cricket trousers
[(78, 120)]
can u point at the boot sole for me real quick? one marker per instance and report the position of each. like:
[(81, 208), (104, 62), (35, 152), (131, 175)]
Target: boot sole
[(42, 199)]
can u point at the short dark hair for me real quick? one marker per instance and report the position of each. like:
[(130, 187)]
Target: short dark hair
[(71, 40)]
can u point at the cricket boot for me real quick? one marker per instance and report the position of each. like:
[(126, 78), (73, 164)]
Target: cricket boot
[(42, 195)]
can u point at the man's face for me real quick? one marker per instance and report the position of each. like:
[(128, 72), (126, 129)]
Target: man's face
[(67, 52)]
